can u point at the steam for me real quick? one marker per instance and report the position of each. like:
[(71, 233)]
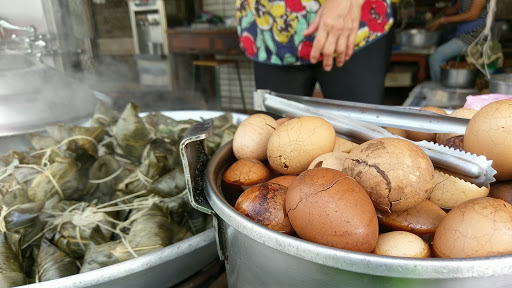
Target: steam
[(78, 66)]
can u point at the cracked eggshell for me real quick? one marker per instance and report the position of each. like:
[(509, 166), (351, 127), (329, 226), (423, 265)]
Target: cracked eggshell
[(450, 191), (344, 145), (265, 204), (463, 112), (489, 133), (421, 219), (297, 142), (246, 172), (395, 173), (328, 207), (401, 244), (476, 228), (251, 137), (332, 160)]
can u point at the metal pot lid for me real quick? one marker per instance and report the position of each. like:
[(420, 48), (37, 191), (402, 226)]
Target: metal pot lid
[(34, 95)]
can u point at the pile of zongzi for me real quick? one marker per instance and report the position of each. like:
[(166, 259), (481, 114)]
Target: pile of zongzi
[(85, 197)]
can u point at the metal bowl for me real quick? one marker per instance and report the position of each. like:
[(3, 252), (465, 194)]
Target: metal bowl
[(417, 38), (458, 77), (501, 84)]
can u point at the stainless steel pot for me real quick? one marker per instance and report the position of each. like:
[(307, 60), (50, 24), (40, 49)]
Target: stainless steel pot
[(501, 84), (458, 77), (417, 38), (256, 256)]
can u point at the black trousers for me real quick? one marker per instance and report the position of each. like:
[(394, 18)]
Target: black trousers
[(360, 79)]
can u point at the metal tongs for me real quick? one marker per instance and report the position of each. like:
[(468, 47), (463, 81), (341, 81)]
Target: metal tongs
[(470, 167), (402, 117)]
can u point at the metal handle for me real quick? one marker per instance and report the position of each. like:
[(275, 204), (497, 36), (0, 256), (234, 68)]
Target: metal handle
[(194, 159)]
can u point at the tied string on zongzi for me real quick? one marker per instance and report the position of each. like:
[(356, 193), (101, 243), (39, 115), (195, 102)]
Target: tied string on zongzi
[(45, 163), (9, 169), (145, 204), (108, 178), (76, 215), (97, 116), (101, 145), (146, 180), (82, 216), (38, 168), (3, 214)]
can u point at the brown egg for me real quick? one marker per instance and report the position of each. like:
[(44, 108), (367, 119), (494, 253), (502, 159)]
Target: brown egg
[(343, 145), (501, 190), (419, 136), (461, 113), (476, 228), (396, 173), (401, 244), (265, 204), (450, 191), (251, 137), (332, 160), (246, 172), (420, 219), (455, 142), (489, 133), (397, 131), (297, 142), (328, 207), (284, 180)]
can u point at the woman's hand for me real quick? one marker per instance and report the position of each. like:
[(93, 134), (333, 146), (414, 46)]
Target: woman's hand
[(336, 24), (435, 24)]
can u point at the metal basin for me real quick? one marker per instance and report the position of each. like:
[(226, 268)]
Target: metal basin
[(501, 84), (257, 256), (417, 38), (163, 268), (458, 77)]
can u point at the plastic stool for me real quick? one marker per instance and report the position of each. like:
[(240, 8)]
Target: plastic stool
[(219, 62)]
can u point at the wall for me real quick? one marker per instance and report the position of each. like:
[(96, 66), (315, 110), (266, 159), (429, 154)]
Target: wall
[(225, 8), (112, 19), (24, 13)]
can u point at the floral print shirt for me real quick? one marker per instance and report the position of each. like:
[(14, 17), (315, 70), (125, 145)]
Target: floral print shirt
[(270, 31)]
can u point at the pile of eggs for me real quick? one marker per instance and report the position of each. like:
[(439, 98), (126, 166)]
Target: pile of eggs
[(384, 196)]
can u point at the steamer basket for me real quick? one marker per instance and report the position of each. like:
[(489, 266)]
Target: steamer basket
[(256, 256)]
